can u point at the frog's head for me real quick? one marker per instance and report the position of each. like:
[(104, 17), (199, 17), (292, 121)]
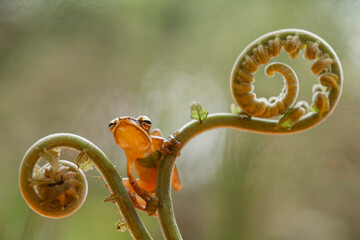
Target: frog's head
[(131, 133)]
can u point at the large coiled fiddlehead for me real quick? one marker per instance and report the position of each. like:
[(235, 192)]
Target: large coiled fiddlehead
[(325, 93)]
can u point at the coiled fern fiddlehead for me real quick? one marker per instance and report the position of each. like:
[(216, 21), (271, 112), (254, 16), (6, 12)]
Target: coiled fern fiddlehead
[(60, 186), (326, 66)]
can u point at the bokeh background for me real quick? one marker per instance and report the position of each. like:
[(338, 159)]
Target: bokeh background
[(73, 65)]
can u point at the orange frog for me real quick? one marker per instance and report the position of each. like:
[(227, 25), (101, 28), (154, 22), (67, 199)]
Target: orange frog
[(143, 148)]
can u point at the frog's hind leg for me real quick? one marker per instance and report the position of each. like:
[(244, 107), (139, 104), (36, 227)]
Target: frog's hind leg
[(152, 203), (138, 202), (175, 180)]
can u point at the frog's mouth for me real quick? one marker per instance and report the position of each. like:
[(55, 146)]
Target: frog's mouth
[(128, 133), (124, 122)]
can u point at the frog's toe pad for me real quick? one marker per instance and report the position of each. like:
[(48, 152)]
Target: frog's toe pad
[(171, 146)]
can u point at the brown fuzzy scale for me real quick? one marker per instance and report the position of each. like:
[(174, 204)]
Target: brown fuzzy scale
[(251, 106), (281, 107), (243, 87), (329, 80), (292, 44), (295, 54), (249, 65), (268, 111), (260, 109), (274, 47), (321, 102), (300, 109), (260, 54), (275, 110), (312, 50), (244, 76), (245, 98), (296, 114), (323, 63)]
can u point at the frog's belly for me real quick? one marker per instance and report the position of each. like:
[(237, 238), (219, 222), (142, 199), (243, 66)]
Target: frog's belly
[(147, 177)]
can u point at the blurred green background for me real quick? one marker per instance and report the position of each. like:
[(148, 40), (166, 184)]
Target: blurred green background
[(73, 65)]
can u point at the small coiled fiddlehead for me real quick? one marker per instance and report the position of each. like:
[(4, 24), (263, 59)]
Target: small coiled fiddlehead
[(56, 189), (59, 188)]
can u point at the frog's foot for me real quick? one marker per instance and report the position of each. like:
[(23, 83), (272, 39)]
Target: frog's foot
[(171, 146), (152, 206), (142, 199), (135, 202)]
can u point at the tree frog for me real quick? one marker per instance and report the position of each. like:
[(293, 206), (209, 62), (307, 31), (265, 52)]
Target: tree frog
[(143, 149)]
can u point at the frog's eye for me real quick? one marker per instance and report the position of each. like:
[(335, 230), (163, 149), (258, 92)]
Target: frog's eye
[(112, 123), (145, 122)]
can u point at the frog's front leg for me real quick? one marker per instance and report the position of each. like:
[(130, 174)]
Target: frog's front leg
[(167, 146)]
